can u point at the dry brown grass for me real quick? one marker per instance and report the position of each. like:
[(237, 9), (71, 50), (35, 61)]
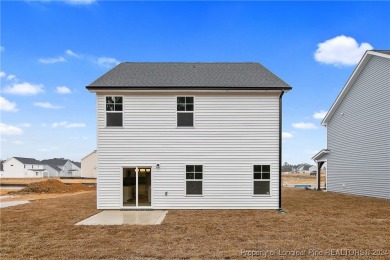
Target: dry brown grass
[(301, 178), (315, 220), (5, 191), (26, 181), (39, 196)]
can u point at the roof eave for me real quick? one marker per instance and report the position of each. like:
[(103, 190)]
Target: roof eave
[(191, 88), (320, 154), (350, 82)]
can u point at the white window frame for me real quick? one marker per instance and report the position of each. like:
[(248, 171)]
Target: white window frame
[(105, 110), (193, 111), (201, 180), (261, 180)]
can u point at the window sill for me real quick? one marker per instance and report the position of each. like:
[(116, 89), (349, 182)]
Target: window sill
[(178, 127), (261, 195), (194, 195), (113, 127)]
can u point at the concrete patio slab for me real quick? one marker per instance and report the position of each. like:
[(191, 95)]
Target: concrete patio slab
[(117, 217), (6, 204)]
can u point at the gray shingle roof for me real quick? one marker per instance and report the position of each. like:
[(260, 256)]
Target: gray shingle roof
[(78, 164), (55, 161), (27, 160), (182, 75), (54, 167), (383, 51)]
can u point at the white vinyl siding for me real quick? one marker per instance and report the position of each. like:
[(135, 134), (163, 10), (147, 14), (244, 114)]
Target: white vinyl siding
[(233, 132), (359, 135)]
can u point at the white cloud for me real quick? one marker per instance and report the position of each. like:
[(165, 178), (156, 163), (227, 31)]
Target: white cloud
[(24, 125), (10, 130), (46, 105), (320, 115), (287, 135), (71, 53), (341, 50), (66, 124), (302, 125), (107, 61), (24, 88), (11, 77), (6, 105), (51, 60), (63, 90), (75, 125), (2, 74), (17, 142)]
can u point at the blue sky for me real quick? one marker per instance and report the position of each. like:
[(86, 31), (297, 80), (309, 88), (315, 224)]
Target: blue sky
[(50, 50)]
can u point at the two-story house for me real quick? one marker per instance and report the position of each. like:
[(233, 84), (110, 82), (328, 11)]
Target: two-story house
[(65, 167), (189, 136), (20, 167), (358, 131)]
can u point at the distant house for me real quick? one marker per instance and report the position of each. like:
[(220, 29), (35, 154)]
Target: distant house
[(189, 136), (89, 165), (358, 131), (53, 170), (67, 167), (19, 167), (306, 168)]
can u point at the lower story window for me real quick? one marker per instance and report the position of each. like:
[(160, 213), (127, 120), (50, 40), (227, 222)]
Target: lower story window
[(194, 179), (261, 179)]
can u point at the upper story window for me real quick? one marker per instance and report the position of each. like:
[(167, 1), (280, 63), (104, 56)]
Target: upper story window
[(261, 179), (185, 111), (114, 111)]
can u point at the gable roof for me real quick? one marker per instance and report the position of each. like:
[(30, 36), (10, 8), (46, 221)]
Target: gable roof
[(320, 154), (366, 57), (55, 161), (94, 151), (54, 167), (27, 160), (193, 76), (78, 164), (383, 52)]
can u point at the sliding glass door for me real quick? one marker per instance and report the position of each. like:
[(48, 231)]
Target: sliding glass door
[(137, 187)]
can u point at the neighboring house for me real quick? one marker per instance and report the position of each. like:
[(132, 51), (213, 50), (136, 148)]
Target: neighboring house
[(189, 136), (76, 169), (67, 167), (358, 131), (89, 165), (52, 170), (19, 167), (306, 168)]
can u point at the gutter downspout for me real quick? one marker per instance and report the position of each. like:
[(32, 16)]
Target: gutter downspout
[(280, 149)]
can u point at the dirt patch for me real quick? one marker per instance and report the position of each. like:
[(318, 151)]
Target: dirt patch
[(52, 186), (315, 220), (25, 181), (4, 191)]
